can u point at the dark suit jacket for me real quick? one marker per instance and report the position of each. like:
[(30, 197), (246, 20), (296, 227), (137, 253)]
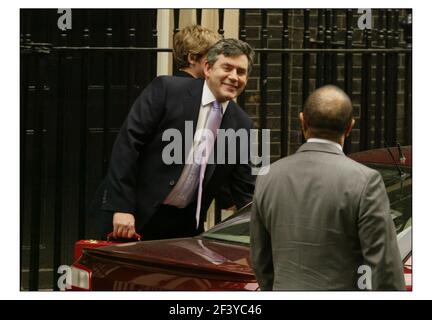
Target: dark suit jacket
[(183, 74), (317, 216), (224, 198), (138, 181)]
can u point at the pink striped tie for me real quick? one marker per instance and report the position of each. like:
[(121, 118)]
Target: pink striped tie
[(213, 123)]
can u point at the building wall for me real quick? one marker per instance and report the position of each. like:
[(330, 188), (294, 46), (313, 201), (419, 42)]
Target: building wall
[(296, 31), (209, 19)]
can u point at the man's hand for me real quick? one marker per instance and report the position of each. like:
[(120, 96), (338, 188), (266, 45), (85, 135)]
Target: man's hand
[(123, 225)]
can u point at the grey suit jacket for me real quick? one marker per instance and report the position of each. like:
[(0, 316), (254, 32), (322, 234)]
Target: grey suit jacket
[(317, 217)]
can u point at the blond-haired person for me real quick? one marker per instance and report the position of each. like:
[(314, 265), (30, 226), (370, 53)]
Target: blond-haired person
[(190, 48)]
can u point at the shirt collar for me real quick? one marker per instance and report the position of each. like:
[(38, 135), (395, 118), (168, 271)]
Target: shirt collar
[(208, 97), (325, 141)]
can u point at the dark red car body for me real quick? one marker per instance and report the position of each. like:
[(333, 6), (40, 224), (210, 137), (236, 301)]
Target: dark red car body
[(199, 263), (177, 264)]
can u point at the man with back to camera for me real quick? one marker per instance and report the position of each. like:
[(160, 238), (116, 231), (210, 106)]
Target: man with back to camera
[(158, 200), (319, 216)]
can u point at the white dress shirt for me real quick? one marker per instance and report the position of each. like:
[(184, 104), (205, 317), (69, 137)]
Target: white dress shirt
[(325, 141), (206, 103)]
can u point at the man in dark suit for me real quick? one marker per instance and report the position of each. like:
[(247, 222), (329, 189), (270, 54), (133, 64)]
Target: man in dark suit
[(190, 48), (145, 194), (320, 220)]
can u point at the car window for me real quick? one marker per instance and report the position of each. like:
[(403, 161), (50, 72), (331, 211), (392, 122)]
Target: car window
[(399, 190), (233, 229)]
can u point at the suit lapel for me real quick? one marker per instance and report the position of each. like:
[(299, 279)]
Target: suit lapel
[(192, 102), (191, 106), (229, 119), (228, 122)]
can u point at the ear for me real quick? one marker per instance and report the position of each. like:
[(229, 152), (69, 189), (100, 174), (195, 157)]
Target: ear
[(349, 128), (191, 59), (302, 121), (303, 124), (206, 69)]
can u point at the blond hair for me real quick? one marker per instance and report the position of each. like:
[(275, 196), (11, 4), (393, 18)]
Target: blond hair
[(195, 40)]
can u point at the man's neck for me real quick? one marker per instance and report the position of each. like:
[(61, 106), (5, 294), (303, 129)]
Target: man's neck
[(338, 141)]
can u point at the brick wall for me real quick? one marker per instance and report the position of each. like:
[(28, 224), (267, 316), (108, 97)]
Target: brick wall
[(295, 73)]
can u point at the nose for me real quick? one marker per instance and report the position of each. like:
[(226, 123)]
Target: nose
[(233, 75)]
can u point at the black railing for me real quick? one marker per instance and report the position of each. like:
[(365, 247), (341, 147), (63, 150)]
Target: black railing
[(76, 91)]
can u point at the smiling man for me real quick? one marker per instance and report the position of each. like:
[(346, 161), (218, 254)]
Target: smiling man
[(144, 194), (226, 75)]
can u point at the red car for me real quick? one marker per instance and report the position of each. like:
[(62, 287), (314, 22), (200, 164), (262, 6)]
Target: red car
[(218, 259)]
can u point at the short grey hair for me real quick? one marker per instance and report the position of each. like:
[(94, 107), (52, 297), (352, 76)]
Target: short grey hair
[(229, 48)]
